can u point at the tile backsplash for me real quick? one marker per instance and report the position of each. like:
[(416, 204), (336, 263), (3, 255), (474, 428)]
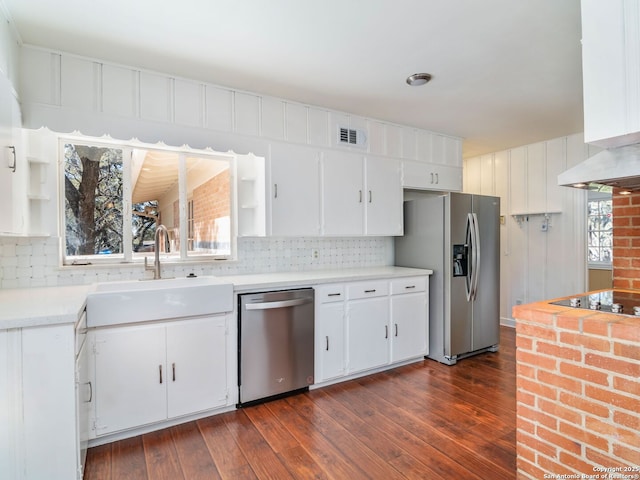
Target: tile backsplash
[(35, 262)]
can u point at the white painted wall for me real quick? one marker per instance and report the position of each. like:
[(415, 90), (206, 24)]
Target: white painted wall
[(535, 264)]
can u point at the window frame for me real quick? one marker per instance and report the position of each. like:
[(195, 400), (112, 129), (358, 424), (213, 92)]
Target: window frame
[(128, 256), (598, 197)]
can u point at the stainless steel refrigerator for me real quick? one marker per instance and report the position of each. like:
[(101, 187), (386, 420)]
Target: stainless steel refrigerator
[(456, 235)]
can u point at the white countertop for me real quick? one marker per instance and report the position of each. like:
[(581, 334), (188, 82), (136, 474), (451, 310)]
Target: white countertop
[(31, 307), (243, 283)]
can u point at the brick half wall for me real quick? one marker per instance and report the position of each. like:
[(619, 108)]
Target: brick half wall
[(626, 241)]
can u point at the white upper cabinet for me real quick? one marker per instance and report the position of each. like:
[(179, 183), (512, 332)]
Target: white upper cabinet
[(611, 71), (383, 196), (294, 191), (342, 193), (430, 176), (13, 167), (360, 195)]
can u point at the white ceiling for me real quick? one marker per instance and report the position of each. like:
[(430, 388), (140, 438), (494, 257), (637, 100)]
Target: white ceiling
[(505, 72)]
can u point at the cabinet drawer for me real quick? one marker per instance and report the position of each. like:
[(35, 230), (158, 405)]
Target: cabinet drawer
[(408, 285), (329, 293), (377, 288)]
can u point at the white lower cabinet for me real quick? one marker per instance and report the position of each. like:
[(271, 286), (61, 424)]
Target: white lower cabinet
[(149, 373), (329, 332), (363, 326), (409, 307), (368, 325), (38, 416)]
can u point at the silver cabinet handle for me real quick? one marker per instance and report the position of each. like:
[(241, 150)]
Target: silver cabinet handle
[(333, 294), (410, 286), (396, 325), (281, 304), (173, 368), (370, 291), (90, 392), (370, 196), (386, 331), (327, 337), (160, 368), (275, 190), (360, 196), (431, 177), (15, 162), (437, 179)]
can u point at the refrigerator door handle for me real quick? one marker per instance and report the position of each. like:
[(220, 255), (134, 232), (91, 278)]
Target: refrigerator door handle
[(476, 255), (468, 280)]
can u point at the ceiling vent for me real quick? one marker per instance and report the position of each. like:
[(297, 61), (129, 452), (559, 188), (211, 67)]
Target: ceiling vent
[(351, 137)]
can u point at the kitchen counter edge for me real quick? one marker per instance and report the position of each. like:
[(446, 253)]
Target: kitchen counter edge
[(42, 306)]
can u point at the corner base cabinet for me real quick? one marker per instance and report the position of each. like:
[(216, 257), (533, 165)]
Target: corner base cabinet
[(370, 325), (149, 373)]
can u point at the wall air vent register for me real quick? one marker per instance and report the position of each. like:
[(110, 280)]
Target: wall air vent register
[(351, 137)]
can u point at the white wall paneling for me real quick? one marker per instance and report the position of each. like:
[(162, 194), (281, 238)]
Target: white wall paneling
[(393, 141), (188, 103), (247, 114), (377, 138), (80, 83), (119, 91), (487, 175), (296, 123), (156, 91), (536, 179), (536, 263), (219, 108), (95, 95), (272, 117)]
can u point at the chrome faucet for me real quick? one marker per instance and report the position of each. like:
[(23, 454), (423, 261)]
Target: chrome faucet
[(156, 250)]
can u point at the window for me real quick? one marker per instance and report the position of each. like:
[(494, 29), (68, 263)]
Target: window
[(600, 230), (115, 196)]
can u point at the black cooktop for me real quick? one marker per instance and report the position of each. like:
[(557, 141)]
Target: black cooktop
[(610, 301)]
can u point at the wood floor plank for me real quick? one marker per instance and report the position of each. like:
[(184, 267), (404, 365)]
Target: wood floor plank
[(354, 448), (263, 460), (193, 454), (425, 420), (98, 463), (320, 449), (227, 455), (365, 404), (128, 459), (161, 456), (407, 453)]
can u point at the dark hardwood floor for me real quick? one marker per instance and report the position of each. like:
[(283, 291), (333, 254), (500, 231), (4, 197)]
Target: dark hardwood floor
[(422, 421)]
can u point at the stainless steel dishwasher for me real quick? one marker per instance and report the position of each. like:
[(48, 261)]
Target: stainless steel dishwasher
[(275, 342)]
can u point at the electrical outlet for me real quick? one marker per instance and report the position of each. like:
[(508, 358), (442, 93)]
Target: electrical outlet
[(315, 253)]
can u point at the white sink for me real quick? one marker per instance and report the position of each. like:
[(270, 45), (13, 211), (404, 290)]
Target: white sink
[(114, 303)]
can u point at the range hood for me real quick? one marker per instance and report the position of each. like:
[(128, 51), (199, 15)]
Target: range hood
[(616, 167)]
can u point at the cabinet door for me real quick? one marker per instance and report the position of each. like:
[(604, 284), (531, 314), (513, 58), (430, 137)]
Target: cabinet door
[(196, 365), (428, 176), (329, 335), (48, 403), (610, 64), (131, 377), (409, 326), (13, 174), (383, 197), (294, 191), (342, 194), (368, 333)]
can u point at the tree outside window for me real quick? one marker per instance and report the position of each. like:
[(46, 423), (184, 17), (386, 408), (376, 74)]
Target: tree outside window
[(115, 197)]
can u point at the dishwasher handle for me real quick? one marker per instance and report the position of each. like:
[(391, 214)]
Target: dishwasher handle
[(278, 304)]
